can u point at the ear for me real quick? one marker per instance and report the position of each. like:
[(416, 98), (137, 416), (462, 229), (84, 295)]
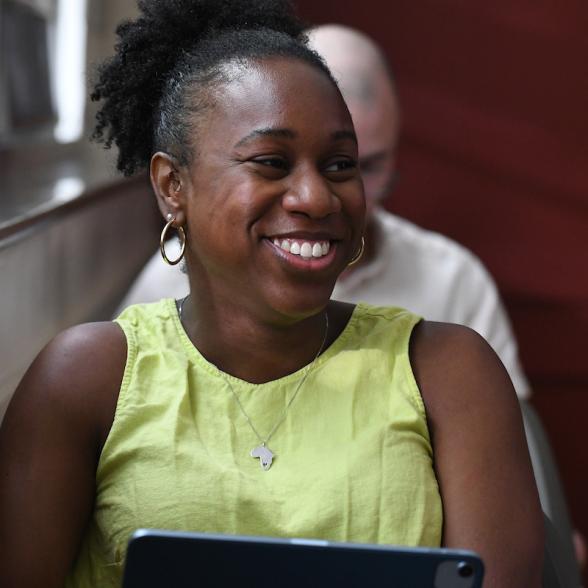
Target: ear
[(168, 185)]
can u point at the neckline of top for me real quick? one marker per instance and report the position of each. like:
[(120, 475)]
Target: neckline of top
[(194, 354)]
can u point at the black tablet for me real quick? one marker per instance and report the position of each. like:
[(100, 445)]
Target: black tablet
[(168, 559)]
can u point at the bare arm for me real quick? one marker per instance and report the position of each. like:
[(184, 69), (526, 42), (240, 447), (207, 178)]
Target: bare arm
[(50, 441), (490, 501)]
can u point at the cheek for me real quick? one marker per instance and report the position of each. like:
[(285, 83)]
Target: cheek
[(227, 203), (224, 221)]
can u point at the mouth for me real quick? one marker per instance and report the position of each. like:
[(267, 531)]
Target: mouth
[(304, 252), (307, 249)]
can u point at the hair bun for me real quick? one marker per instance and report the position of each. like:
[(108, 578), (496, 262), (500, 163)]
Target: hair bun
[(182, 23)]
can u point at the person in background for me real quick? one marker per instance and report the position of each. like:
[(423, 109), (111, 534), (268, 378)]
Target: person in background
[(403, 264), (256, 405)]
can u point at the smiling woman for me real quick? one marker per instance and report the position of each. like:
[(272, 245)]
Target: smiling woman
[(271, 166), (369, 424)]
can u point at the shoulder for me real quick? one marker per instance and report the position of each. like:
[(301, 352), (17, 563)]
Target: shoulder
[(462, 381), (75, 379), (456, 360), (88, 349)]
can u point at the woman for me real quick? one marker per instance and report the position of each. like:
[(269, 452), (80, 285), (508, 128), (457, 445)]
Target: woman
[(256, 405)]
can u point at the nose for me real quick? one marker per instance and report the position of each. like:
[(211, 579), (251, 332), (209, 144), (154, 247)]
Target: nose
[(311, 194)]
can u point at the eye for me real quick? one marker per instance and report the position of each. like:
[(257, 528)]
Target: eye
[(270, 167), (341, 169), (276, 162)]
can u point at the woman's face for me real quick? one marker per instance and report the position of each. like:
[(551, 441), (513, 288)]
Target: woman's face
[(274, 200)]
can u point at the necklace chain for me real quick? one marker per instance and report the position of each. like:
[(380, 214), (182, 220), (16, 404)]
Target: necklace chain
[(263, 451)]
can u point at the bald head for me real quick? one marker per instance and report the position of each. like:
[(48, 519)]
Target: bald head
[(364, 78), (355, 60)]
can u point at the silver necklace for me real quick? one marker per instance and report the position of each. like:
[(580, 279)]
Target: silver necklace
[(262, 451)]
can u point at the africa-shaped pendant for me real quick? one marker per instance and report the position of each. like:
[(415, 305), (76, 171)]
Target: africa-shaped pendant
[(265, 456)]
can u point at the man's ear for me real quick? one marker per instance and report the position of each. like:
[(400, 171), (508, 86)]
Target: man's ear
[(167, 182)]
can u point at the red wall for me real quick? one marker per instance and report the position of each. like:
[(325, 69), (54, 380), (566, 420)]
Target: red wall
[(494, 153)]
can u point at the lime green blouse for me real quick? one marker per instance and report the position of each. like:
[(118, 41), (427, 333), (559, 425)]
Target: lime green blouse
[(353, 459)]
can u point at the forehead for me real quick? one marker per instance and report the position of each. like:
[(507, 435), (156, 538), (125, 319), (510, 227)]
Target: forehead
[(276, 93)]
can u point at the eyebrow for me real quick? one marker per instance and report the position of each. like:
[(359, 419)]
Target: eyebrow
[(268, 132), (289, 134)]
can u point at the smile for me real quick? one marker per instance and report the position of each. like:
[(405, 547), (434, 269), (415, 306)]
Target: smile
[(303, 248)]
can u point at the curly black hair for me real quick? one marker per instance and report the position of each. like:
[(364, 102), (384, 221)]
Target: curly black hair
[(169, 57)]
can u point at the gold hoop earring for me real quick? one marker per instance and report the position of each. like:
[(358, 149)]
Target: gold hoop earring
[(358, 255), (170, 221)]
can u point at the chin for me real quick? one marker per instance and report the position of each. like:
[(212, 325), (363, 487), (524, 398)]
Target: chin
[(300, 303)]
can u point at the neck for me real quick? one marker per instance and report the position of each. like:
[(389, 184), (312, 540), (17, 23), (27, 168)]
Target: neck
[(253, 350)]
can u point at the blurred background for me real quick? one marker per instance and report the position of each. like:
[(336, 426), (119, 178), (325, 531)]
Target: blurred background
[(73, 233), (493, 153)]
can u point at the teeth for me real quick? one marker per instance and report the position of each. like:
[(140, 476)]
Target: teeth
[(305, 249)]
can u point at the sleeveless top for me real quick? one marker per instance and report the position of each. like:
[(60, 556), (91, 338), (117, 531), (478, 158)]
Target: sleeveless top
[(353, 461)]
